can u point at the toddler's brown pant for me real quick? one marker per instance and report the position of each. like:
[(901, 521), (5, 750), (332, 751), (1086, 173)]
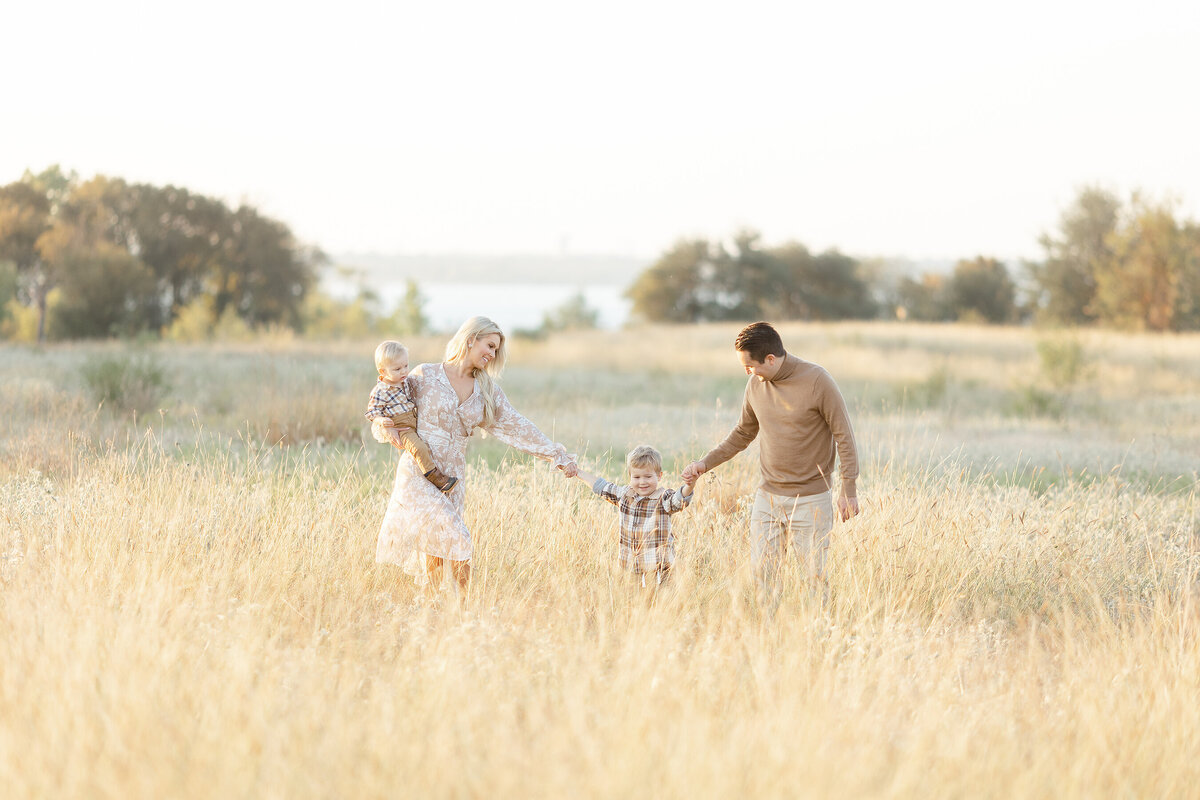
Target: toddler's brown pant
[(414, 444)]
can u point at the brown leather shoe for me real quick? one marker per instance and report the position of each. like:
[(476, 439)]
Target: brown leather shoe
[(441, 480)]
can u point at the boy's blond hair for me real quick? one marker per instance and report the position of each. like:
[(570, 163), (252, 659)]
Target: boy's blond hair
[(387, 352), (644, 456)]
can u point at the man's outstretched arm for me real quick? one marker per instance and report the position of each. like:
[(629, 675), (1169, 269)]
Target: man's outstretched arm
[(738, 440)]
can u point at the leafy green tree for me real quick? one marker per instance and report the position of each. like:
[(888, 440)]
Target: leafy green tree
[(671, 289), (572, 314), (793, 298), (697, 281), (262, 273), (29, 209), (746, 282), (1149, 281), (24, 217), (8, 291), (192, 246), (105, 291), (824, 287), (87, 215), (409, 318), (1187, 306), (982, 288), (1065, 283), (325, 317), (846, 293), (926, 299), (181, 236)]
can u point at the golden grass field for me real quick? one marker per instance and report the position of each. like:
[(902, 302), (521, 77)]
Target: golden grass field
[(189, 610)]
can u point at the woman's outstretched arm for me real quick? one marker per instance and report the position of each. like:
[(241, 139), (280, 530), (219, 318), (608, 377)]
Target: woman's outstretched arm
[(517, 431)]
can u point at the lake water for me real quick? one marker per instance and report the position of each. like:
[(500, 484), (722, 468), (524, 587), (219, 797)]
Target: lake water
[(511, 305)]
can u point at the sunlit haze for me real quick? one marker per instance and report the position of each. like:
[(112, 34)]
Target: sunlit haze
[(923, 129)]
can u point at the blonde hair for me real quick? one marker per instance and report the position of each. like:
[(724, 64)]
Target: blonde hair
[(456, 353), (644, 456), (387, 352)]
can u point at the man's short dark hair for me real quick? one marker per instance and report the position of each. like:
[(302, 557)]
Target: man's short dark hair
[(760, 340)]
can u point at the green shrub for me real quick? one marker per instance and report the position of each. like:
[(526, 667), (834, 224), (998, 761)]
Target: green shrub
[(1062, 361), (1032, 401), (931, 391), (127, 383)]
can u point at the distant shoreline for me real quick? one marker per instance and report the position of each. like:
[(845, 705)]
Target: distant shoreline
[(515, 305), (591, 269)]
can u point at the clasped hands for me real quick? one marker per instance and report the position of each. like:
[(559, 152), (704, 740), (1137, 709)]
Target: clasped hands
[(847, 506)]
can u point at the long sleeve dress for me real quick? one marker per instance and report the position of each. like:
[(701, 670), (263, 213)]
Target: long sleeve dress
[(420, 520)]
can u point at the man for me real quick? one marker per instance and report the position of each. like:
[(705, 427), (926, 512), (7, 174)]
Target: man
[(800, 412)]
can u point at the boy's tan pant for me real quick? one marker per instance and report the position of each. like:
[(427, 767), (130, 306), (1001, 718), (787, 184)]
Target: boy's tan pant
[(777, 524), (414, 444)]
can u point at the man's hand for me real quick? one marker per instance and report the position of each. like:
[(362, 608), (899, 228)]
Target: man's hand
[(847, 507), (569, 470), (693, 471)]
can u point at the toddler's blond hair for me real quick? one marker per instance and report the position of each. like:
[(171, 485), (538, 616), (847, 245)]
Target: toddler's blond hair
[(644, 456), (387, 352)]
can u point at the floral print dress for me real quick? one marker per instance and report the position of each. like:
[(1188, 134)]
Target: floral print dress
[(420, 520)]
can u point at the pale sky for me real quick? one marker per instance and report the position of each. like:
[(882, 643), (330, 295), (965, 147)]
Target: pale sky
[(925, 128)]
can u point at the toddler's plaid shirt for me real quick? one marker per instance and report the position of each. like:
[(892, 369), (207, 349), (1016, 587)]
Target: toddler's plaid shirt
[(647, 544), (388, 400)]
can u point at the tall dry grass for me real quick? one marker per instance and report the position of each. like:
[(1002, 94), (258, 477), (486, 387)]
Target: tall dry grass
[(190, 611)]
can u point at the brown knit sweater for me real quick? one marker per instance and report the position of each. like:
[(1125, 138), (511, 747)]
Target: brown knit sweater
[(802, 416)]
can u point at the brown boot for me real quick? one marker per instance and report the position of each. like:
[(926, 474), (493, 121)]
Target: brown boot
[(441, 480)]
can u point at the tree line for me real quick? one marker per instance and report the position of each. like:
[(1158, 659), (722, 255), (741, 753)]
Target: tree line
[(105, 257), (1133, 265)]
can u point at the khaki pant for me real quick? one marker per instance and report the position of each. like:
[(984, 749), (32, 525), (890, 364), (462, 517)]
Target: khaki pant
[(414, 444), (777, 523)]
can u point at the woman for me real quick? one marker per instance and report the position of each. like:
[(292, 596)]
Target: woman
[(423, 527)]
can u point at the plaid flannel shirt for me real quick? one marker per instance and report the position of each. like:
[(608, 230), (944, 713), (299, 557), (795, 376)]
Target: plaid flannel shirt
[(647, 543), (388, 400)]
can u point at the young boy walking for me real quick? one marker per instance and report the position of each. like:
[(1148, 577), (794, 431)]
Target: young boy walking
[(647, 545)]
